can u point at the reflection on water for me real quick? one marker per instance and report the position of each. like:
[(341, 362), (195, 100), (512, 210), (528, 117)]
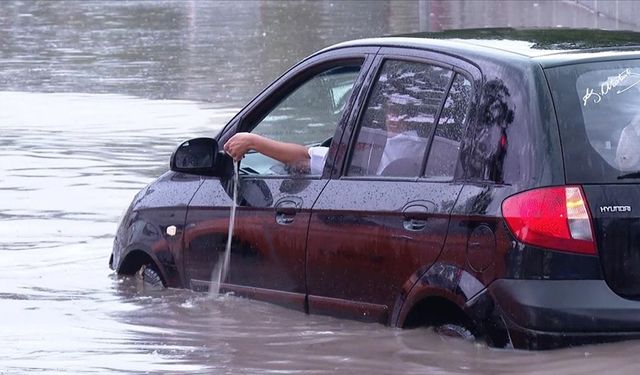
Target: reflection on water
[(225, 51), (70, 163), (69, 159)]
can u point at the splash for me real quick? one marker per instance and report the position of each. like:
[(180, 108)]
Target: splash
[(221, 269)]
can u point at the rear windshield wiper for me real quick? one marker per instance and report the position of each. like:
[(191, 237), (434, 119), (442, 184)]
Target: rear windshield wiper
[(629, 175)]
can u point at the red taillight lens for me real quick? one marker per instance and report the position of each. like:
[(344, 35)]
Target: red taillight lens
[(554, 218)]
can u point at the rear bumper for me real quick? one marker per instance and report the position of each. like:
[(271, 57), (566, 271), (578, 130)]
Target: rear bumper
[(545, 314)]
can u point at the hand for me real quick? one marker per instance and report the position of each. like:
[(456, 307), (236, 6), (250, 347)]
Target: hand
[(239, 144)]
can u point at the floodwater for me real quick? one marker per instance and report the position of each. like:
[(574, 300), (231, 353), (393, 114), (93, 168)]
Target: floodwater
[(95, 95)]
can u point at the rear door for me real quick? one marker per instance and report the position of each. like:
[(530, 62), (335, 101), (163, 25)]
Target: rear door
[(384, 216), (598, 109)]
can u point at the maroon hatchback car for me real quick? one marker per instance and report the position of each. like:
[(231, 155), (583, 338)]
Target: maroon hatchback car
[(504, 208)]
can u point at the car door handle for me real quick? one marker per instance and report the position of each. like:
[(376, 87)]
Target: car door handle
[(414, 225), (286, 210), (415, 217), (284, 219)]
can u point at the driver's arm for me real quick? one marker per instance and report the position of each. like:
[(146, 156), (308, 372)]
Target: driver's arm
[(287, 153)]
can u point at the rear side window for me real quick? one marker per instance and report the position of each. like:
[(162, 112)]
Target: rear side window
[(445, 147), (598, 108), (398, 120)]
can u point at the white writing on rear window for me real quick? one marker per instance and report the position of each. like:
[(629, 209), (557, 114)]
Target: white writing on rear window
[(596, 95)]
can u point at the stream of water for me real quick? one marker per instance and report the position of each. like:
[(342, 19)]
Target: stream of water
[(220, 271)]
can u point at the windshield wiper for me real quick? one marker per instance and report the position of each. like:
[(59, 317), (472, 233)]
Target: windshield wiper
[(629, 175)]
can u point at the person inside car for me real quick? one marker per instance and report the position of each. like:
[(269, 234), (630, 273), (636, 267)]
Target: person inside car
[(628, 150), (401, 143), (291, 154)]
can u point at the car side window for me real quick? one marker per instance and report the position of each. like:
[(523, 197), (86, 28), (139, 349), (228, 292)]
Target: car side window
[(398, 120), (445, 147), (308, 116)]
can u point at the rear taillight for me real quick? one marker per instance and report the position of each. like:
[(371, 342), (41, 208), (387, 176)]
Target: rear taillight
[(554, 218)]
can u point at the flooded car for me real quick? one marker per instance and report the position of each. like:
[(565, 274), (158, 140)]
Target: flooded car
[(482, 182)]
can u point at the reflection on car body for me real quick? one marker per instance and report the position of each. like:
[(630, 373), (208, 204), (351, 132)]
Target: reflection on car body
[(503, 223)]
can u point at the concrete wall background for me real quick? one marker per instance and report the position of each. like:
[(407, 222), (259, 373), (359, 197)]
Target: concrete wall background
[(606, 14)]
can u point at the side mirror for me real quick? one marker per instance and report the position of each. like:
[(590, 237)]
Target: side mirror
[(197, 156)]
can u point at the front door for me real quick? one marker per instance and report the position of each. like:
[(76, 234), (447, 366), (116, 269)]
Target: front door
[(275, 200), (386, 217)]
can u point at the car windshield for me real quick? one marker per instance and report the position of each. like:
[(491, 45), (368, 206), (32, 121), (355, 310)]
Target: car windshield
[(598, 108)]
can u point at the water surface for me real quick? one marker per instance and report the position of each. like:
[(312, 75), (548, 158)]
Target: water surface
[(94, 96)]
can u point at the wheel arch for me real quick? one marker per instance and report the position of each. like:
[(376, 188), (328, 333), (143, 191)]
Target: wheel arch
[(446, 293), (435, 310), (137, 258)]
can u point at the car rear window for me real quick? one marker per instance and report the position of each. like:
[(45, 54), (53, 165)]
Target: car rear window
[(598, 109)]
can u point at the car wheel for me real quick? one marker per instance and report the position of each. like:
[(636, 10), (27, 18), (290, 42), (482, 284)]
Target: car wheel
[(455, 330), (151, 276)]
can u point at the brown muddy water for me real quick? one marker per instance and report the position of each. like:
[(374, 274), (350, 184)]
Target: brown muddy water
[(95, 95)]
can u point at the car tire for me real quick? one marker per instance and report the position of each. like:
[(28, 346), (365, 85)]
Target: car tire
[(151, 276), (456, 331)]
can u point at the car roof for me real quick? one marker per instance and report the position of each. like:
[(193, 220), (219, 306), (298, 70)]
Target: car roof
[(548, 47)]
